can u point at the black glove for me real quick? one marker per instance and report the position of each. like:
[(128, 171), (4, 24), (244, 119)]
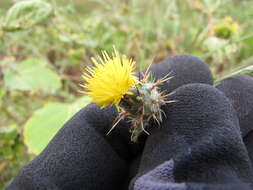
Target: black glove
[(198, 146), (240, 92), (81, 156)]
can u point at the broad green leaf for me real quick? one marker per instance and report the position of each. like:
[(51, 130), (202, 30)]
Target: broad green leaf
[(27, 13), (32, 75), (45, 123)]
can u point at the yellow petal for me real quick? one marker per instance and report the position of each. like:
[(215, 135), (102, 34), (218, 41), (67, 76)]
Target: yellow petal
[(110, 79)]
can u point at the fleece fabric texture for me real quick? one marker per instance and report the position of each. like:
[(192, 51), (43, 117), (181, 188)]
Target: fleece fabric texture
[(81, 156), (240, 92), (197, 147), (184, 69), (78, 157)]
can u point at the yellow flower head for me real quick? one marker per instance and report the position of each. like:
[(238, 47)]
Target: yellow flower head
[(227, 29), (110, 79)]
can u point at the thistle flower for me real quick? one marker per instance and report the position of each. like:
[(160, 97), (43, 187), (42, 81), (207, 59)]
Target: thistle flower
[(112, 82), (227, 29), (110, 79)]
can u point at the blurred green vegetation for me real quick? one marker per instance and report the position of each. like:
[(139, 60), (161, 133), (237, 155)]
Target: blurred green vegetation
[(45, 45)]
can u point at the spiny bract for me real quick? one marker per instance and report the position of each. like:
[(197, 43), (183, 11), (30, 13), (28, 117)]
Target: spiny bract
[(110, 79)]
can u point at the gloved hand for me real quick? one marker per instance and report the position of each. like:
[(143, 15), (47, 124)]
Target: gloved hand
[(239, 90), (81, 156), (198, 147)]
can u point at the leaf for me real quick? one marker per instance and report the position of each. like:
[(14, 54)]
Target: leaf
[(245, 70), (8, 135), (27, 13), (32, 75), (212, 5), (46, 122)]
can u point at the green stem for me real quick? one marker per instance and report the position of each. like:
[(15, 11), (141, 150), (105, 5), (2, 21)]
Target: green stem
[(245, 70)]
